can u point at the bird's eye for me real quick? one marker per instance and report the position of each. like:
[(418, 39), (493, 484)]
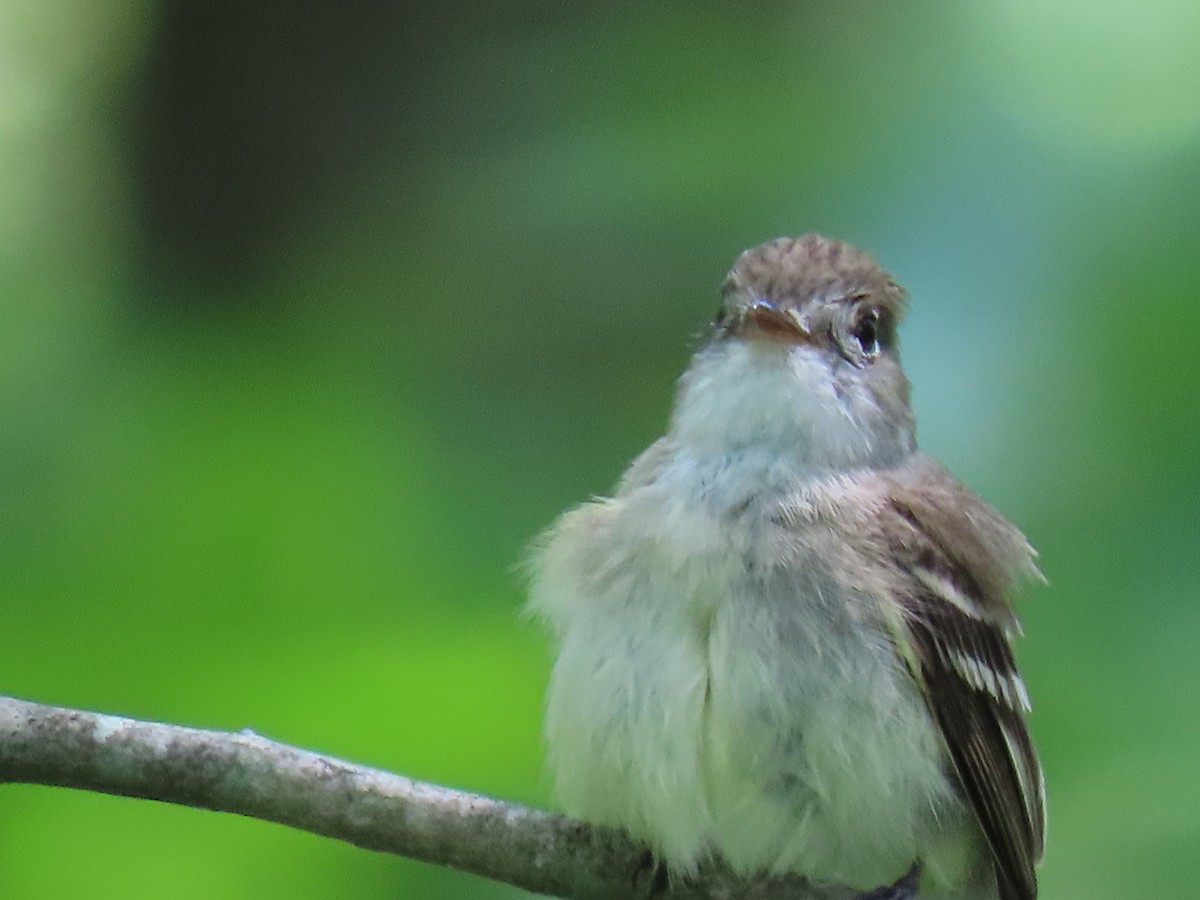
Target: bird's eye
[(866, 333)]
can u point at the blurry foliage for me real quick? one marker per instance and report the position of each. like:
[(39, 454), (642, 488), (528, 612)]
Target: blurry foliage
[(312, 316)]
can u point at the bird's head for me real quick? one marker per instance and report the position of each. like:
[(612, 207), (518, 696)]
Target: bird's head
[(802, 358)]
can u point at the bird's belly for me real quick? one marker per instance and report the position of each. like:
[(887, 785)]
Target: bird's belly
[(817, 751), (709, 699), (780, 735)]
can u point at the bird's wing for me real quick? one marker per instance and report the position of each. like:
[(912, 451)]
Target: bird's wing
[(957, 559)]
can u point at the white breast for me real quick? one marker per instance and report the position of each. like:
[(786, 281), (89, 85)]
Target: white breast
[(715, 689)]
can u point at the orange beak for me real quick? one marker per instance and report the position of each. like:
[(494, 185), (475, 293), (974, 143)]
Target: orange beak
[(765, 320)]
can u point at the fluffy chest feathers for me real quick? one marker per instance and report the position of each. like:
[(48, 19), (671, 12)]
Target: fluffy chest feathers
[(717, 689)]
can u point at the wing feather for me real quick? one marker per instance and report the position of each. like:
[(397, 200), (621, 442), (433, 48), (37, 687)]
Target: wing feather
[(957, 623)]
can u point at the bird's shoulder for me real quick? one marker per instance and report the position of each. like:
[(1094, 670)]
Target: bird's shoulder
[(919, 517)]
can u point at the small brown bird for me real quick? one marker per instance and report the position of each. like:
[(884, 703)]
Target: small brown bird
[(784, 641)]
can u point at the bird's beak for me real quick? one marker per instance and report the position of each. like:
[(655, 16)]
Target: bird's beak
[(765, 320)]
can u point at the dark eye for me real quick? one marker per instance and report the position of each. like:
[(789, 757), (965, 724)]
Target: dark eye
[(866, 332), (869, 333)]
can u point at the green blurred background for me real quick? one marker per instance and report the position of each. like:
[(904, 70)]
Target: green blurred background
[(312, 315)]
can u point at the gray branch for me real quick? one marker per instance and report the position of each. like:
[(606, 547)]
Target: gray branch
[(247, 774)]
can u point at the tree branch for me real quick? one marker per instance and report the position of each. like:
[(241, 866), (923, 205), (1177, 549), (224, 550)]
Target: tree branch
[(247, 774)]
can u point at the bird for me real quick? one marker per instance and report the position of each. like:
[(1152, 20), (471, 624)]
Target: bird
[(784, 643)]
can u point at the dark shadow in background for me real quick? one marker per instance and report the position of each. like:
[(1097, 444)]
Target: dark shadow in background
[(249, 117)]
